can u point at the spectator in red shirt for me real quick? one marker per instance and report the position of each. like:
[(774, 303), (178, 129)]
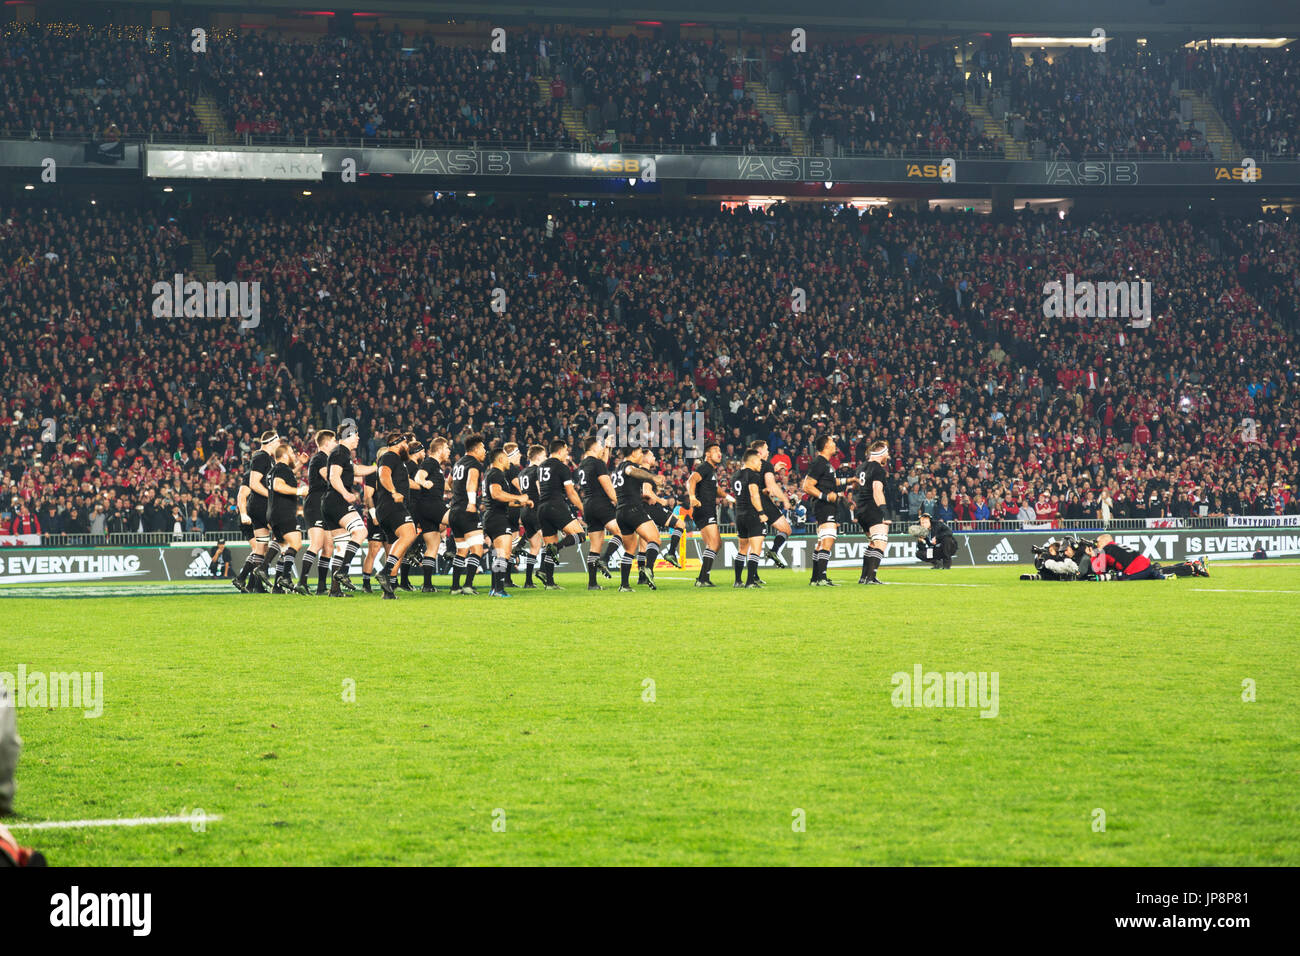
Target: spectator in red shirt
[(25, 522)]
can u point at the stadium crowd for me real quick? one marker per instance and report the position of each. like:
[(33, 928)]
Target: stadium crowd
[(1081, 104), (102, 83), (371, 88), (1257, 92), (884, 99), (925, 329), (687, 92), (112, 82)]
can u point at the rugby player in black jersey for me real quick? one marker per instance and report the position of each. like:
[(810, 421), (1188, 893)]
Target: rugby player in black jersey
[(702, 495), (342, 509), (663, 514), (465, 517), (751, 521), (246, 528), (415, 454), (259, 467), (392, 507), (530, 541), (775, 505), (515, 511), (502, 494), (869, 509), (598, 500), (659, 513), (430, 507), (823, 486), (633, 520), (320, 546), (376, 537), (282, 513), (555, 496)]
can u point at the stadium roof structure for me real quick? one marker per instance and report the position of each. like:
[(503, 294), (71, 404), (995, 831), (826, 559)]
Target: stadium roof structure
[(1238, 18)]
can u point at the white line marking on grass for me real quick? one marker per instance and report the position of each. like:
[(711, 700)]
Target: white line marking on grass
[(935, 584), (901, 584), (1244, 591), (122, 822)]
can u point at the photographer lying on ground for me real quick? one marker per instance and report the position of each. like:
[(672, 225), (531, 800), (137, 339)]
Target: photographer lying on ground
[(935, 542), (1112, 562), (1056, 561)]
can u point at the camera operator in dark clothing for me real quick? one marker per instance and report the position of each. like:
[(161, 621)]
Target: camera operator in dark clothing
[(1058, 561), (219, 566), (936, 543)]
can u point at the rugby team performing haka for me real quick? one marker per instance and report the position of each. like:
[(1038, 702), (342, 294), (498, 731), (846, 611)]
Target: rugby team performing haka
[(492, 512)]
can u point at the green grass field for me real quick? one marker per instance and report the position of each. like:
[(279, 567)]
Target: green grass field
[(533, 713)]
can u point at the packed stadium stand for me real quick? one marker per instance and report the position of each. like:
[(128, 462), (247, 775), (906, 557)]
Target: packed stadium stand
[(1125, 103), (1257, 91), (923, 326), (111, 82), (883, 99), (868, 95), (335, 89), (382, 314)]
